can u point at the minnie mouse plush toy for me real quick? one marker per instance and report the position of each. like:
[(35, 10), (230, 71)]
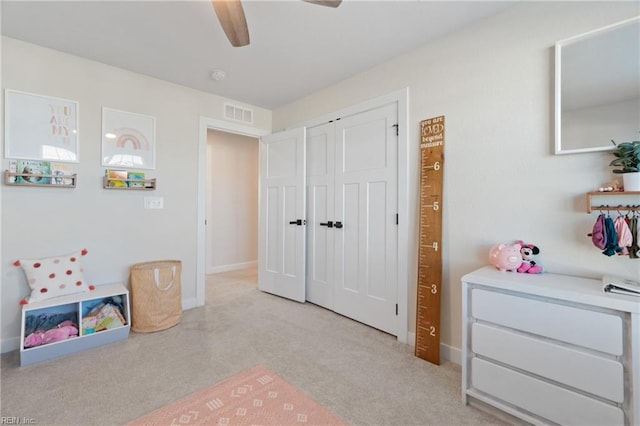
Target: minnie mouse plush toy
[(530, 259)]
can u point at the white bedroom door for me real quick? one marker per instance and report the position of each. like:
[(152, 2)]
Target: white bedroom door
[(320, 214), (366, 205), (352, 202), (281, 250)]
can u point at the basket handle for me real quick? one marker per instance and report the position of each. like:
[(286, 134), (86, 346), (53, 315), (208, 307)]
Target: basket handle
[(156, 277)]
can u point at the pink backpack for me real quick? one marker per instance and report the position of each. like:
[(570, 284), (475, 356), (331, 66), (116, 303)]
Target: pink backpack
[(599, 235)]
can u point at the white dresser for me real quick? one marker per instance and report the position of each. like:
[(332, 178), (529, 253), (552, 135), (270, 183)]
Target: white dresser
[(550, 349)]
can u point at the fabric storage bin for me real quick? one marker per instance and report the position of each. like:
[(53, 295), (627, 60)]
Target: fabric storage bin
[(156, 295)]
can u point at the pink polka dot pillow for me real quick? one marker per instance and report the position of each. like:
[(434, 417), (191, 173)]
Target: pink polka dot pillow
[(54, 276)]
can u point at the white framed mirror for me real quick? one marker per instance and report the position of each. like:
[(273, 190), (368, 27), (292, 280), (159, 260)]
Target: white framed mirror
[(597, 88)]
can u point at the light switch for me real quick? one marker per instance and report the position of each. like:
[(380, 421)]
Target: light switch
[(153, 202)]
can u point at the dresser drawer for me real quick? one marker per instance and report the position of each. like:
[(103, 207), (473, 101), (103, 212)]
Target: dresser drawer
[(590, 329), (547, 400), (590, 373)]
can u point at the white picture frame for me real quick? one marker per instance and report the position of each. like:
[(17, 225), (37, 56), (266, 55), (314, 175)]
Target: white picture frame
[(128, 140), (39, 127)]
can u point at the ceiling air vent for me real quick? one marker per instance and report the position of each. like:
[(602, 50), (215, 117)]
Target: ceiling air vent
[(237, 113)]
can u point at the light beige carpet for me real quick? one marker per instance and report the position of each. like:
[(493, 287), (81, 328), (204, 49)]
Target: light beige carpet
[(364, 376), (254, 397)]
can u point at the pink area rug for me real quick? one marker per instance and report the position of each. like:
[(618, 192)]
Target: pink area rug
[(255, 397)]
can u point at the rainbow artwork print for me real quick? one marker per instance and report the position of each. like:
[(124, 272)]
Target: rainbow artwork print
[(128, 140)]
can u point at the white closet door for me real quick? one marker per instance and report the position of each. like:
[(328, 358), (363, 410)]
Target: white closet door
[(281, 254), (320, 215), (366, 204)]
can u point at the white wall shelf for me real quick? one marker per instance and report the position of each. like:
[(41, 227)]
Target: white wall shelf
[(69, 181), (629, 201), (129, 184)]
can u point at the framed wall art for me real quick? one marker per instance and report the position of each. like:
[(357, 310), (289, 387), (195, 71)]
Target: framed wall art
[(40, 127), (128, 140)]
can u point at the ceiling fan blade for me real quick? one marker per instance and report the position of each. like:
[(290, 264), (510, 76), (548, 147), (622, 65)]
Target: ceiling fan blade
[(231, 17), (329, 3)]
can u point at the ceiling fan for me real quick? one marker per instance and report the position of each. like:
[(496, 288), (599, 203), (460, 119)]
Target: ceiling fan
[(231, 16)]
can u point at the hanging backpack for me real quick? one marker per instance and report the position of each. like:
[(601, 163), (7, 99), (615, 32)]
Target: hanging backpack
[(624, 234), (598, 235), (611, 246), (634, 249)]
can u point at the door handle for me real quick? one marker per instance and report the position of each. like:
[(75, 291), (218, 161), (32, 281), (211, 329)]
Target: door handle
[(338, 225), (329, 224), (298, 222)]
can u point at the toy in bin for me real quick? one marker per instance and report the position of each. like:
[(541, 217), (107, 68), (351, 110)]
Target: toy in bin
[(102, 317), (64, 330), (89, 325)]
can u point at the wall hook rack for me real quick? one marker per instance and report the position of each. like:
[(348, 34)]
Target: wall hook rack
[(628, 206)]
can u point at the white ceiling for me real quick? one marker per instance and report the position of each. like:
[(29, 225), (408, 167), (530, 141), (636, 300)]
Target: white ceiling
[(296, 47)]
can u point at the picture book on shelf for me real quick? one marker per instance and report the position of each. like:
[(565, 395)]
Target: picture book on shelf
[(61, 174), (39, 172), (136, 179), (116, 178), (13, 168)]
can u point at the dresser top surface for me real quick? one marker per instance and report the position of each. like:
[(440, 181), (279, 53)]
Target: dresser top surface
[(563, 287)]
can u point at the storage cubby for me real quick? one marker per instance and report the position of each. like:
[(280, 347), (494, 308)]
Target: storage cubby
[(53, 181), (75, 307)]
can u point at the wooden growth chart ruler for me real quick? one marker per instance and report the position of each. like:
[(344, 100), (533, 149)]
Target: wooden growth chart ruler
[(430, 246)]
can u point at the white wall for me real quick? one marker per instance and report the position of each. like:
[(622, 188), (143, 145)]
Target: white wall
[(112, 225), (232, 201), (494, 84)]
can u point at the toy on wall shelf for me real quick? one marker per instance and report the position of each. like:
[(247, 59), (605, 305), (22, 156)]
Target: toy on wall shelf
[(613, 186), (506, 257)]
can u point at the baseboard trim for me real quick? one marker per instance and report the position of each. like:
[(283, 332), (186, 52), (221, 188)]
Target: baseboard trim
[(189, 303), (232, 267), (411, 339), (10, 344), (447, 353)]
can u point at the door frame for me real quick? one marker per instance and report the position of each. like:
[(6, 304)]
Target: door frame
[(207, 123), (401, 97)]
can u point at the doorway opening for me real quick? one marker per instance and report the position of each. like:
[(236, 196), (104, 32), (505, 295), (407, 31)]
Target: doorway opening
[(232, 202), (207, 261)]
